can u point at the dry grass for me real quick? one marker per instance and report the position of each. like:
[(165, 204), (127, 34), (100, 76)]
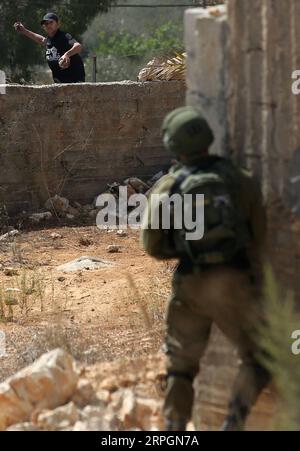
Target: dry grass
[(165, 68), (46, 314), (282, 318), (151, 299)]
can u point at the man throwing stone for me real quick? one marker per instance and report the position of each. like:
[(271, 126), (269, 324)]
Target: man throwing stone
[(62, 50)]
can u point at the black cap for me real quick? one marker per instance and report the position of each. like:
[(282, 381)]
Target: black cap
[(49, 16)]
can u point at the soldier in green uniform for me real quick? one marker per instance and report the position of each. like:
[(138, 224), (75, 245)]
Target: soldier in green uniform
[(217, 279)]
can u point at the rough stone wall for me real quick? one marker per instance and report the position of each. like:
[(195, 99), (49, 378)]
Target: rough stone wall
[(74, 139), (263, 116)]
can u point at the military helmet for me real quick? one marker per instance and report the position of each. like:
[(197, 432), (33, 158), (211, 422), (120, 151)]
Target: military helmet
[(185, 131)]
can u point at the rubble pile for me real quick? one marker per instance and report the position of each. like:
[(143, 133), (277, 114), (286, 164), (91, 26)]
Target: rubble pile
[(60, 207), (54, 394)]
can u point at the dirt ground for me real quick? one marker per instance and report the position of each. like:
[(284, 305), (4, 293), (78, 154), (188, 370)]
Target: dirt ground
[(99, 315), (110, 319)]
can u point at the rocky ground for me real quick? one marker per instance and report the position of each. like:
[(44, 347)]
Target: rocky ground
[(111, 321)]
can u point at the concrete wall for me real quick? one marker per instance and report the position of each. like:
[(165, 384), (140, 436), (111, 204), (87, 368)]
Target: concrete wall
[(240, 67), (242, 78), (206, 36), (263, 116), (74, 139)]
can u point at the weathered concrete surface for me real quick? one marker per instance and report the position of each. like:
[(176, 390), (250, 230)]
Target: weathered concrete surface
[(240, 74), (206, 35), (260, 126), (74, 139), (263, 116)]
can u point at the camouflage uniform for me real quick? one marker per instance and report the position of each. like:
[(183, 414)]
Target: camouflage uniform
[(227, 294)]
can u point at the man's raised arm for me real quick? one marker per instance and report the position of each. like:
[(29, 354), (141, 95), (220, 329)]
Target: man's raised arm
[(19, 27)]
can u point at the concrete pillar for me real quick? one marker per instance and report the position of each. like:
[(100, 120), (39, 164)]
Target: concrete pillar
[(206, 36), (239, 75), (263, 117)]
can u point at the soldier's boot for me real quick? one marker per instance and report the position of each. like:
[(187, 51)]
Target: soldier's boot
[(234, 422), (231, 424), (251, 380), (179, 399)]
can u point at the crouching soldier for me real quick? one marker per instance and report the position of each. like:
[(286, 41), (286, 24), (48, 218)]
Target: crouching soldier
[(216, 279)]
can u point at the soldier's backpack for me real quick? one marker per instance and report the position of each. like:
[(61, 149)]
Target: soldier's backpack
[(226, 231)]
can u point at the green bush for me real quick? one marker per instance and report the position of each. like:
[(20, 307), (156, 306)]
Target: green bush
[(282, 318), (121, 54)]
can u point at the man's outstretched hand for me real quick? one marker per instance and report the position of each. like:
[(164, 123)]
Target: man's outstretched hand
[(19, 27)]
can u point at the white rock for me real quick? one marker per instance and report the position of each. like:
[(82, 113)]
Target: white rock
[(55, 236), (103, 396), (127, 411), (121, 233), (85, 262), (46, 384), (91, 412), (28, 427), (113, 249), (80, 426), (38, 217), (92, 417), (136, 412), (110, 421), (8, 235), (60, 418)]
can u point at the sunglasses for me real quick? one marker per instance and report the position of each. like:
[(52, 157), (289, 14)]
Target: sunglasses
[(48, 22)]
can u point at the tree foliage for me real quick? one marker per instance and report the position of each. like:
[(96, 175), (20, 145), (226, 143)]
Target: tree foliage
[(122, 54), (126, 39), (164, 39), (17, 53)]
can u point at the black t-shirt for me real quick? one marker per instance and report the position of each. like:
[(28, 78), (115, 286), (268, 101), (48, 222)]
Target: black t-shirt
[(57, 46)]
